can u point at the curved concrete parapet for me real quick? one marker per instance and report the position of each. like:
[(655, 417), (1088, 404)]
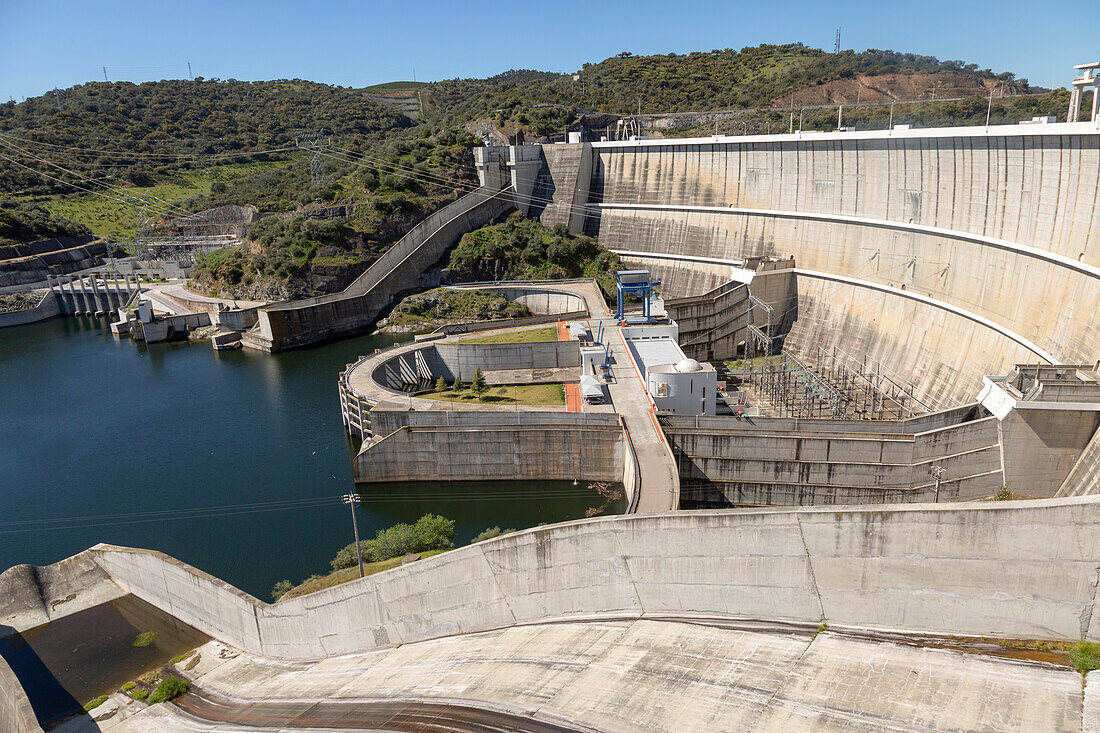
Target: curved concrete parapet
[(1002, 569)]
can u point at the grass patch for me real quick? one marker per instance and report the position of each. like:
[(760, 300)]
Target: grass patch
[(145, 638), (534, 335), (139, 693), (94, 703), (129, 686), (180, 658), (1086, 656), (522, 394), (169, 688), (117, 220), (343, 576)]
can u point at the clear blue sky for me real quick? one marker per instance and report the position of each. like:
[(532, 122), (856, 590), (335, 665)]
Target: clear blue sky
[(46, 44)]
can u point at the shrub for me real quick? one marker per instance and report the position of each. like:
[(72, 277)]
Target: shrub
[(280, 588), (345, 558), (478, 386), (169, 688), (94, 703), (1003, 494), (434, 532), (129, 686), (145, 638), (431, 532), (489, 534), (139, 693), (1086, 655)]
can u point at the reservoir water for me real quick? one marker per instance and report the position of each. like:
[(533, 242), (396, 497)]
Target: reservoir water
[(231, 461)]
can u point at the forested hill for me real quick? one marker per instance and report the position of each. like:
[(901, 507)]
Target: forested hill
[(168, 125), (627, 84)]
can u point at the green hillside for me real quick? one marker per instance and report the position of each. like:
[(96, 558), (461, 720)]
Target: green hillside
[(627, 84), (137, 134)]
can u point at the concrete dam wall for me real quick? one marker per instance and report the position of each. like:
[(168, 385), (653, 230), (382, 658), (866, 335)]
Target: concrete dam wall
[(1000, 569), (946, 254)]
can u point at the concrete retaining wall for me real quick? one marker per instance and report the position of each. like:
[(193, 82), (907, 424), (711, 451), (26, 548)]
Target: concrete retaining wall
[(772, 461), (1084, 477), (460, 361), (385, 422), (16, 713), (712, 324), (1001, 569), (30, 262), (318, 319), (504, 453), (1000, 224), (48, 307)]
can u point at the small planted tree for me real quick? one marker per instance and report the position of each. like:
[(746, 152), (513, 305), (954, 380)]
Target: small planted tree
[(478, 386), (441, 385)]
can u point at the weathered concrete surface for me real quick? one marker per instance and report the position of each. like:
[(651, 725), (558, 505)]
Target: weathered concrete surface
[(1042, 446), (501, 452), (31, 595), (998, 223), (16, 713), (561, 189), (662, 675), (1010, 569), (461, 360), (763, 460), (1084, 477)]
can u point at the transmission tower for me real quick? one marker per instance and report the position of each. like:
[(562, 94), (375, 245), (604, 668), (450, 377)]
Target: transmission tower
[(836, 46), (315, 143)]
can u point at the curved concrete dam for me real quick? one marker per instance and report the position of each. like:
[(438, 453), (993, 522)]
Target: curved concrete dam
[(946, 254)]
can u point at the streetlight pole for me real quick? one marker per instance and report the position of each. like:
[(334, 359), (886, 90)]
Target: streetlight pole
[(351, 500), (989, 109), (937, 473)]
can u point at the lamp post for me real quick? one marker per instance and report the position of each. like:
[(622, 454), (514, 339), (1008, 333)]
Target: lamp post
[(351, 500), (937, 473)]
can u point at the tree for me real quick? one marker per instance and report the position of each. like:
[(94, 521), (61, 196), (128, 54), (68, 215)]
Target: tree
[(478, 385), (280, 589), (441, 385), (434, 532)]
